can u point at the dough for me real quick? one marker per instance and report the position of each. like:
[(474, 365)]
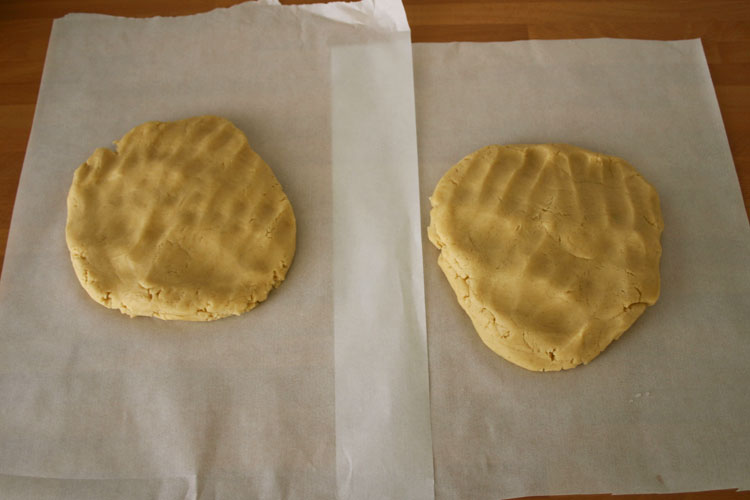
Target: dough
[(552, 250), (184, 221)]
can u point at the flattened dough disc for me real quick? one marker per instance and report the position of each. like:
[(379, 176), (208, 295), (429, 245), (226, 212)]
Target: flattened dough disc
[(552, 250), (184, 221)]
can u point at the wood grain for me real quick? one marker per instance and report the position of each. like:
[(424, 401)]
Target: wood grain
[(723, 26)]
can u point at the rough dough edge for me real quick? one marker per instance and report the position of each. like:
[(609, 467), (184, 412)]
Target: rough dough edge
[(533, 359)]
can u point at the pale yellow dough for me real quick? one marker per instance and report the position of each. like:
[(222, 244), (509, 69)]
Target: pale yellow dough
[(552, 250), (184, 221)]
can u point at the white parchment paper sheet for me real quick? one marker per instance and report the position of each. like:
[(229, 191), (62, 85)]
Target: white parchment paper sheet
[(97, 405), (381, 365), (665, 408)]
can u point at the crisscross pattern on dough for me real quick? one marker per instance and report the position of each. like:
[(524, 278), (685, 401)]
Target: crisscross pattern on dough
[(552, 250), (183, 221)]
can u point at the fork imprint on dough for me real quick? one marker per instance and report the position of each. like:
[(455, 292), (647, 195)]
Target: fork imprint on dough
[(552, 250)]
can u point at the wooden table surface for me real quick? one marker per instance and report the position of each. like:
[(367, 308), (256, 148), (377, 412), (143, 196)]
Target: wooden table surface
[(723, 26)]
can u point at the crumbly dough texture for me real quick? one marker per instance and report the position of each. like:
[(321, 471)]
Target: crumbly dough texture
[(552, 250), (183, 221)]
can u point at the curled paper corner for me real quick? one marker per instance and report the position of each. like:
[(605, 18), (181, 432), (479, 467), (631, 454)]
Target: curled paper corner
[(388, 15)]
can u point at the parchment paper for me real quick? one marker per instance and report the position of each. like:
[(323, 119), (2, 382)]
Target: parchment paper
[(666, 407), (97, 405)]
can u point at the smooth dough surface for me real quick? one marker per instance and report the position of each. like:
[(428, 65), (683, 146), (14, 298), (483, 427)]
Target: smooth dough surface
[(552, 250), (183, 221)]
